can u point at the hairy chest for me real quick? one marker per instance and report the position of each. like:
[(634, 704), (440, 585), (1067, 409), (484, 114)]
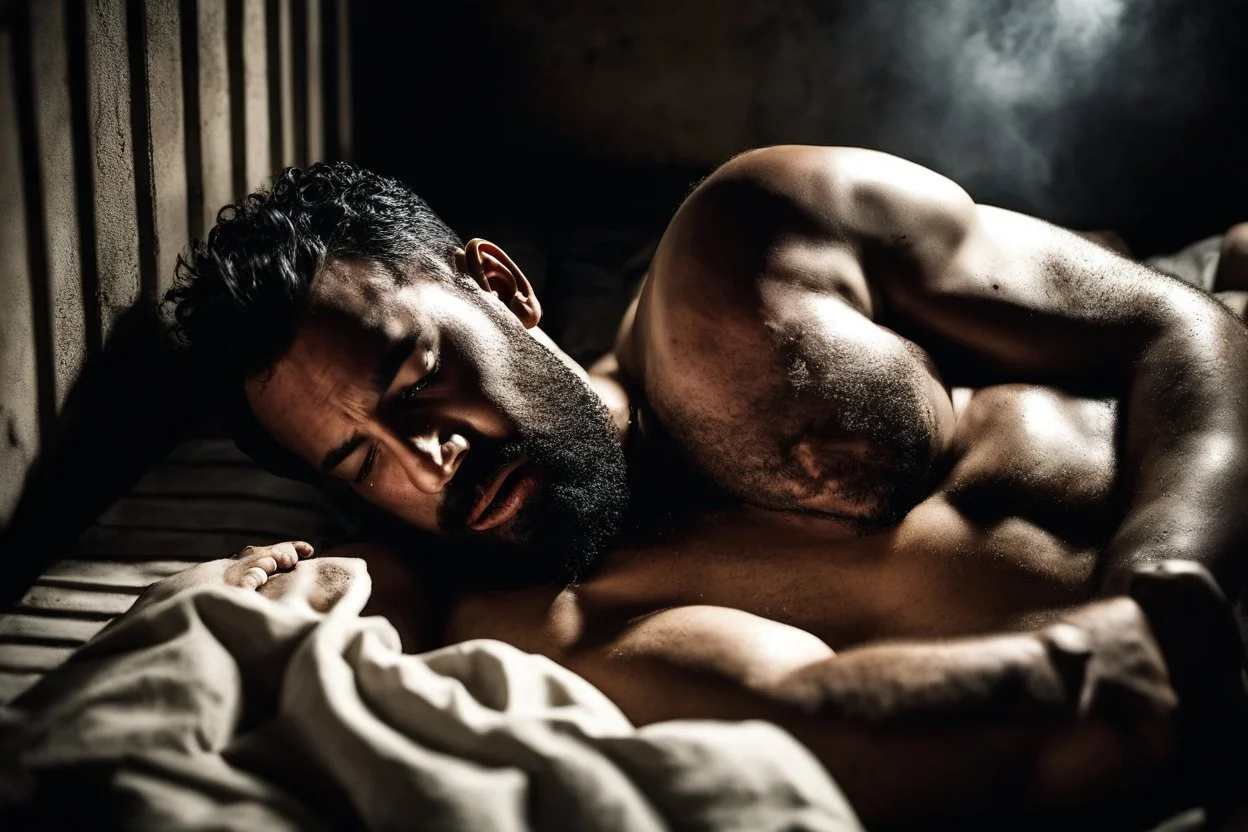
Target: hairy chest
[(1008, 536)]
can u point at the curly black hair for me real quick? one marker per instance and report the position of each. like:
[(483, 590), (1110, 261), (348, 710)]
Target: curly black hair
[(237, 297)]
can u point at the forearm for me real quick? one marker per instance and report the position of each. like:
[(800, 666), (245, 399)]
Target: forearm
[(1001, 725), (1185, 454), (983, 680)]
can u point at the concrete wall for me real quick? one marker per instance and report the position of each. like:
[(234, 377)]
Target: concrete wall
[(1122, 112), (124, 126)]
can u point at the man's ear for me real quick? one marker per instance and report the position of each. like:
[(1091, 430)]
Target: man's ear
[(497, 274)]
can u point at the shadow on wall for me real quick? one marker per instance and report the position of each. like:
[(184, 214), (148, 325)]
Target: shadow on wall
[(1120, 113), (124, 126), (133, 401)]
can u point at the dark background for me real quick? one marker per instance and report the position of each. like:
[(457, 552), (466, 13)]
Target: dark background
[(557, 116)]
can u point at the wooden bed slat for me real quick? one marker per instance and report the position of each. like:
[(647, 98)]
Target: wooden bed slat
[(40, 597), (118, 573), (233, 482), (13, 685), (207, 515), (33, 658), (17, 626), (130, 545), (208, 450)]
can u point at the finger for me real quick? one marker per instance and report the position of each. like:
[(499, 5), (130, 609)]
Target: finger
[(254, 578), (266, 562), (284, 554), (246, 552), (261, 561), (304, 549)]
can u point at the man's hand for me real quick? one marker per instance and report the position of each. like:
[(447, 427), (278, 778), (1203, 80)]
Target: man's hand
[(1117, 686), (1196, 630), (250, 569)]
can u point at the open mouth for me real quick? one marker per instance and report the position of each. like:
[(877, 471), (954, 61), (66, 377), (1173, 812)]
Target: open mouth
[(504, 495)]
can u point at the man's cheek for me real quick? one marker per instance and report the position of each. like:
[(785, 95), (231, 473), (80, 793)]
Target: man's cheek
[(405, 503)]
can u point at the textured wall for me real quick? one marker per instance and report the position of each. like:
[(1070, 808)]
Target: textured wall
[(124, 126), (1126, 112), (19, 428)]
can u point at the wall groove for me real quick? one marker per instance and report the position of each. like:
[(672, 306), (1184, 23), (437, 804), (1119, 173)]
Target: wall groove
[(36, 231), (76, 37), (190, 110), (124, 126), (140, 132)]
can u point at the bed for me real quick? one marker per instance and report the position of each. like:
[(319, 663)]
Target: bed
[(220, 707), (204, 501)]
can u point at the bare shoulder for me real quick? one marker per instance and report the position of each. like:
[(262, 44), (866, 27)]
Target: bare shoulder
[(774, 224), (850, 194), (803, 215), (655, 663)]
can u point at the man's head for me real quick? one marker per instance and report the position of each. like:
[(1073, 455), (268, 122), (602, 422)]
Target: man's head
[(347, 333)]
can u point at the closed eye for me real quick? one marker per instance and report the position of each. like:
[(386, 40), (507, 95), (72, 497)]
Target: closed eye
[(368, 464), (408, 395)]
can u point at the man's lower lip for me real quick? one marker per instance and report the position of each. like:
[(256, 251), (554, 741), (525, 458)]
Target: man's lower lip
[(496, 482), (506, 505)]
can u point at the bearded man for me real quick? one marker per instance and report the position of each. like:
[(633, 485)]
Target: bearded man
[(894, 458)]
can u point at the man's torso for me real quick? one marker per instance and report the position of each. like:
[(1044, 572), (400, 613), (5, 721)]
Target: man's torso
[(1009, 537), (1009, 530)]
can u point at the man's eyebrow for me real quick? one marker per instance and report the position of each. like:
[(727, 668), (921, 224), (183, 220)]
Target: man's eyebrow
[(341, 451), (388, 366)]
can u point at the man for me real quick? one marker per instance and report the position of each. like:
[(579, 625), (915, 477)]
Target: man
[(857, 407)]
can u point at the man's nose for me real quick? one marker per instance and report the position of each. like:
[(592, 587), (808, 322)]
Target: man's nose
[(430, 458)]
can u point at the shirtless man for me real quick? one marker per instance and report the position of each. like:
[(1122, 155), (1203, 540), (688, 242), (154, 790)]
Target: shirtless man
[(857, 408)]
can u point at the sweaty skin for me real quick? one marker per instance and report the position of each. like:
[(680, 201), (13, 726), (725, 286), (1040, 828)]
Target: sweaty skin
[(790, 272), (1077, 406), (896, 445)]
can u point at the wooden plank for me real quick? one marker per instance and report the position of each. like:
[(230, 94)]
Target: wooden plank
[(27, 658), (258, 164), (314, 80), (114, 573), (116, 212), (54, 128), (166, 514), (214, 109), (13, 685), (210, 450), (19, 396), (223, 481), (19, 627), (127, 544), (166, 116), (87, 603)]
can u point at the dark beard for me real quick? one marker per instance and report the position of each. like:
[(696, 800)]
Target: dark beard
[(562, 535)]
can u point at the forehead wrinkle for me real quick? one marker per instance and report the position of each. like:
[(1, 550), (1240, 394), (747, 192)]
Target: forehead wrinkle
[(336, 389), (307, 393), (365, 291)]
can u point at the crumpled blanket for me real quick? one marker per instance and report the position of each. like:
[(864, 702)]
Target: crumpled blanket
[(218, 708)]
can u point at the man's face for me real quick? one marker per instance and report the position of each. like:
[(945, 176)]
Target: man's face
[(437, 402)]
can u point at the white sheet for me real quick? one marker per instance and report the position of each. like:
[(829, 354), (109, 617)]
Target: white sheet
[(221, 708)]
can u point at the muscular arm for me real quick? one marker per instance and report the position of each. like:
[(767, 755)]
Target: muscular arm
[(1000, 725), (1012, 298), (1027, 298)]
